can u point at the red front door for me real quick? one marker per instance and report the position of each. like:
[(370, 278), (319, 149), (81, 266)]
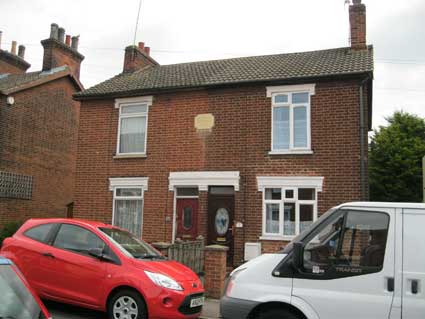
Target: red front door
[(187, 218)]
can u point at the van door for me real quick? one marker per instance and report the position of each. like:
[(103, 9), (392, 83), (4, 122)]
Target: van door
[(413, 297), (348, 267)]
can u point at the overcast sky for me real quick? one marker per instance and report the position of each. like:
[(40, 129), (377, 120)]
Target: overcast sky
[(194, 30)]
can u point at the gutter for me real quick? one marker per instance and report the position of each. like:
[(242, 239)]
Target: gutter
[(363, 192)]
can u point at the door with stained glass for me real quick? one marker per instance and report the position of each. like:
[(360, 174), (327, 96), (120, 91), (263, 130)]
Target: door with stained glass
[(187, 218)]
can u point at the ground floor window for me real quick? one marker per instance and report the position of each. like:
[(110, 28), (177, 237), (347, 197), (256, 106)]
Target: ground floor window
[(289, 207), (128, 203)]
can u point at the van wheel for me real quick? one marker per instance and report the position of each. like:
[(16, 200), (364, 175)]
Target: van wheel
[(127, 304), (275, 313)]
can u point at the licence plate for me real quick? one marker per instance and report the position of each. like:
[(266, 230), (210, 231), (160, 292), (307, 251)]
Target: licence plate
[(196, 302)]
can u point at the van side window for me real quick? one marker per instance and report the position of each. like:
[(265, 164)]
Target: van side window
[(353, 239)]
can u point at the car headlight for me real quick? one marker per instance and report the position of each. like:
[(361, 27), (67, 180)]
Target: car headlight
[(163, 281)]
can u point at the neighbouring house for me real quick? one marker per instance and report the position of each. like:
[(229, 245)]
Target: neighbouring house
[(38, 130), (246, 152)]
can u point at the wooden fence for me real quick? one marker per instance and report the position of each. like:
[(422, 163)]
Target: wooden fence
[(189, 253)]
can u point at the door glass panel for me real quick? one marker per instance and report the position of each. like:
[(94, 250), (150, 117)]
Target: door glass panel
[(128, 215), (187, 217), (272, 218), (306, 216), (222, 221), (222, 190), (187, 191), (77, 239), (289, 219)]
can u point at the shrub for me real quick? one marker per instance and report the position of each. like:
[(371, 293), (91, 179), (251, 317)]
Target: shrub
[(8, 230)]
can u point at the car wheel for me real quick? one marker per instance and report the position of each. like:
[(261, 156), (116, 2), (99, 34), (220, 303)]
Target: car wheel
[(127, 304), (276, 313)]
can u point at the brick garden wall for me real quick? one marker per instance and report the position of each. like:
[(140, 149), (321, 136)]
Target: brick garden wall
[(240, 141), (38, 137)]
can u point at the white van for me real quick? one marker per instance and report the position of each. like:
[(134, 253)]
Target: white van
[(358, 261)]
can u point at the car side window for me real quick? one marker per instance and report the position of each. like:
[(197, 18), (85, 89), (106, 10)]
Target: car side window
[(77, 239), (39, 233), (352, 243)]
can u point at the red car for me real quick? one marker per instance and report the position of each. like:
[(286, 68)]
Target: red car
[(17, 300), (102, 267)]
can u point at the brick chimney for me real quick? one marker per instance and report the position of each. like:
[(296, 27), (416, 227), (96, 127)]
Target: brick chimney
[(58, 53), (137, 57), (358, 25), (12, 63)]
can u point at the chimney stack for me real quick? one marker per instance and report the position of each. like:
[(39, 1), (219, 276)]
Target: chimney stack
[(13, 49), (137, 57), (358, 25), (21, 51), (59, 53)]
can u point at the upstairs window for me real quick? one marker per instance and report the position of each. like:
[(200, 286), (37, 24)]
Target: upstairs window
[(132, 126), (291, 118)]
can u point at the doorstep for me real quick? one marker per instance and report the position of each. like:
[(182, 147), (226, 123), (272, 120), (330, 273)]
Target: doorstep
[(211, 309)]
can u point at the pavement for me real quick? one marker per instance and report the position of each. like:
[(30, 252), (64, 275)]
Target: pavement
[(62, 311)]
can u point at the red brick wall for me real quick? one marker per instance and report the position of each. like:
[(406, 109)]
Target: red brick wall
[(38, 137), (6, 67), (240, 141)]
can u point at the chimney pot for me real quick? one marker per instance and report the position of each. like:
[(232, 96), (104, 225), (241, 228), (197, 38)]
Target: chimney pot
[(54, 31), (21, 51), (141, 45), (147, 51), (74, 43), (68, 40), (61, 34), (13, 50)]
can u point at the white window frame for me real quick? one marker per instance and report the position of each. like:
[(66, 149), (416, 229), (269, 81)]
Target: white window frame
[(119, 103), (272, 92), (128, 183), (284, 184)]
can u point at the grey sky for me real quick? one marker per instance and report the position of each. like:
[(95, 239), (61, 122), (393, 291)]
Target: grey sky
[(192, 30)]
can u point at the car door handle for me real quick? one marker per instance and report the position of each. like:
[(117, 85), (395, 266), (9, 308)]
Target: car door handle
[(48, 255), (414, 287)]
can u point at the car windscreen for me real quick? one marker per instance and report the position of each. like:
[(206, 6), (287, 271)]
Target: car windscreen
[(130, 245), (16, 302)]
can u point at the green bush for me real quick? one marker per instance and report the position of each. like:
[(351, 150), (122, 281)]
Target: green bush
[(8, 230)]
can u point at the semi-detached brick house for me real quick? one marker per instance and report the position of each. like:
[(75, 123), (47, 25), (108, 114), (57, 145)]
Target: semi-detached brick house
[(38, 130), (245, 151)]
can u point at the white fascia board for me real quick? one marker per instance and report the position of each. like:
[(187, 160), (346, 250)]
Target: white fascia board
[(115, 182), (204, 179), (134, 100), (271, 90), (290, 181)]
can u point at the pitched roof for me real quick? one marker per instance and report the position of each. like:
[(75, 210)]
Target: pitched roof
[(267, 68), (11, 83)]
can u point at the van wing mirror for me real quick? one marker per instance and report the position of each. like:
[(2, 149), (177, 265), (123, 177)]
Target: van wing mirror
[(298, 255)]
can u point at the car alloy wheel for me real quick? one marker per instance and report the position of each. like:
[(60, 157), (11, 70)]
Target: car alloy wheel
[(125, 307)]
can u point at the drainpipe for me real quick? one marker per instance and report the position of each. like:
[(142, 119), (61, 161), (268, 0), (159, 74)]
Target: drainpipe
[(362, 141)]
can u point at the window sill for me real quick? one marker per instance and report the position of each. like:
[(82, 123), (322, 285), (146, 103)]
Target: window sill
[(277, 238), (291, 152), (121, 156)]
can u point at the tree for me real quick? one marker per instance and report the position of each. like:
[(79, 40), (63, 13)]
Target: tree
[(395, 159)]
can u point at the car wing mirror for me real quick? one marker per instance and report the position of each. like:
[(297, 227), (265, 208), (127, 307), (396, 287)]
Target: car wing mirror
[(298, 255), (99, 254)]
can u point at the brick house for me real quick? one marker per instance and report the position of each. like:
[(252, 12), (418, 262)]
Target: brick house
[(246, 152), (38, 130)]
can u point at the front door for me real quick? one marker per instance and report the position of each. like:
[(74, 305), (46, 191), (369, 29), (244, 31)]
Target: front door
[(187, 218), (349, 265), (221, 205)]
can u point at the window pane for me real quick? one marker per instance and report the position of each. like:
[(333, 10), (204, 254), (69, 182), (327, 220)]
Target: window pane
[(129, 192), (187, 191), (300, 97), (281, 128), (132, 135), (272, 218), (306, 216), (77, 239), (364, 240), (289, 219), (222, 190), (289, 193), (300, 126), (281, 98), (39, 233), (131, 109), (187, 217), (273, 193), (306, 194), (128, 215)]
